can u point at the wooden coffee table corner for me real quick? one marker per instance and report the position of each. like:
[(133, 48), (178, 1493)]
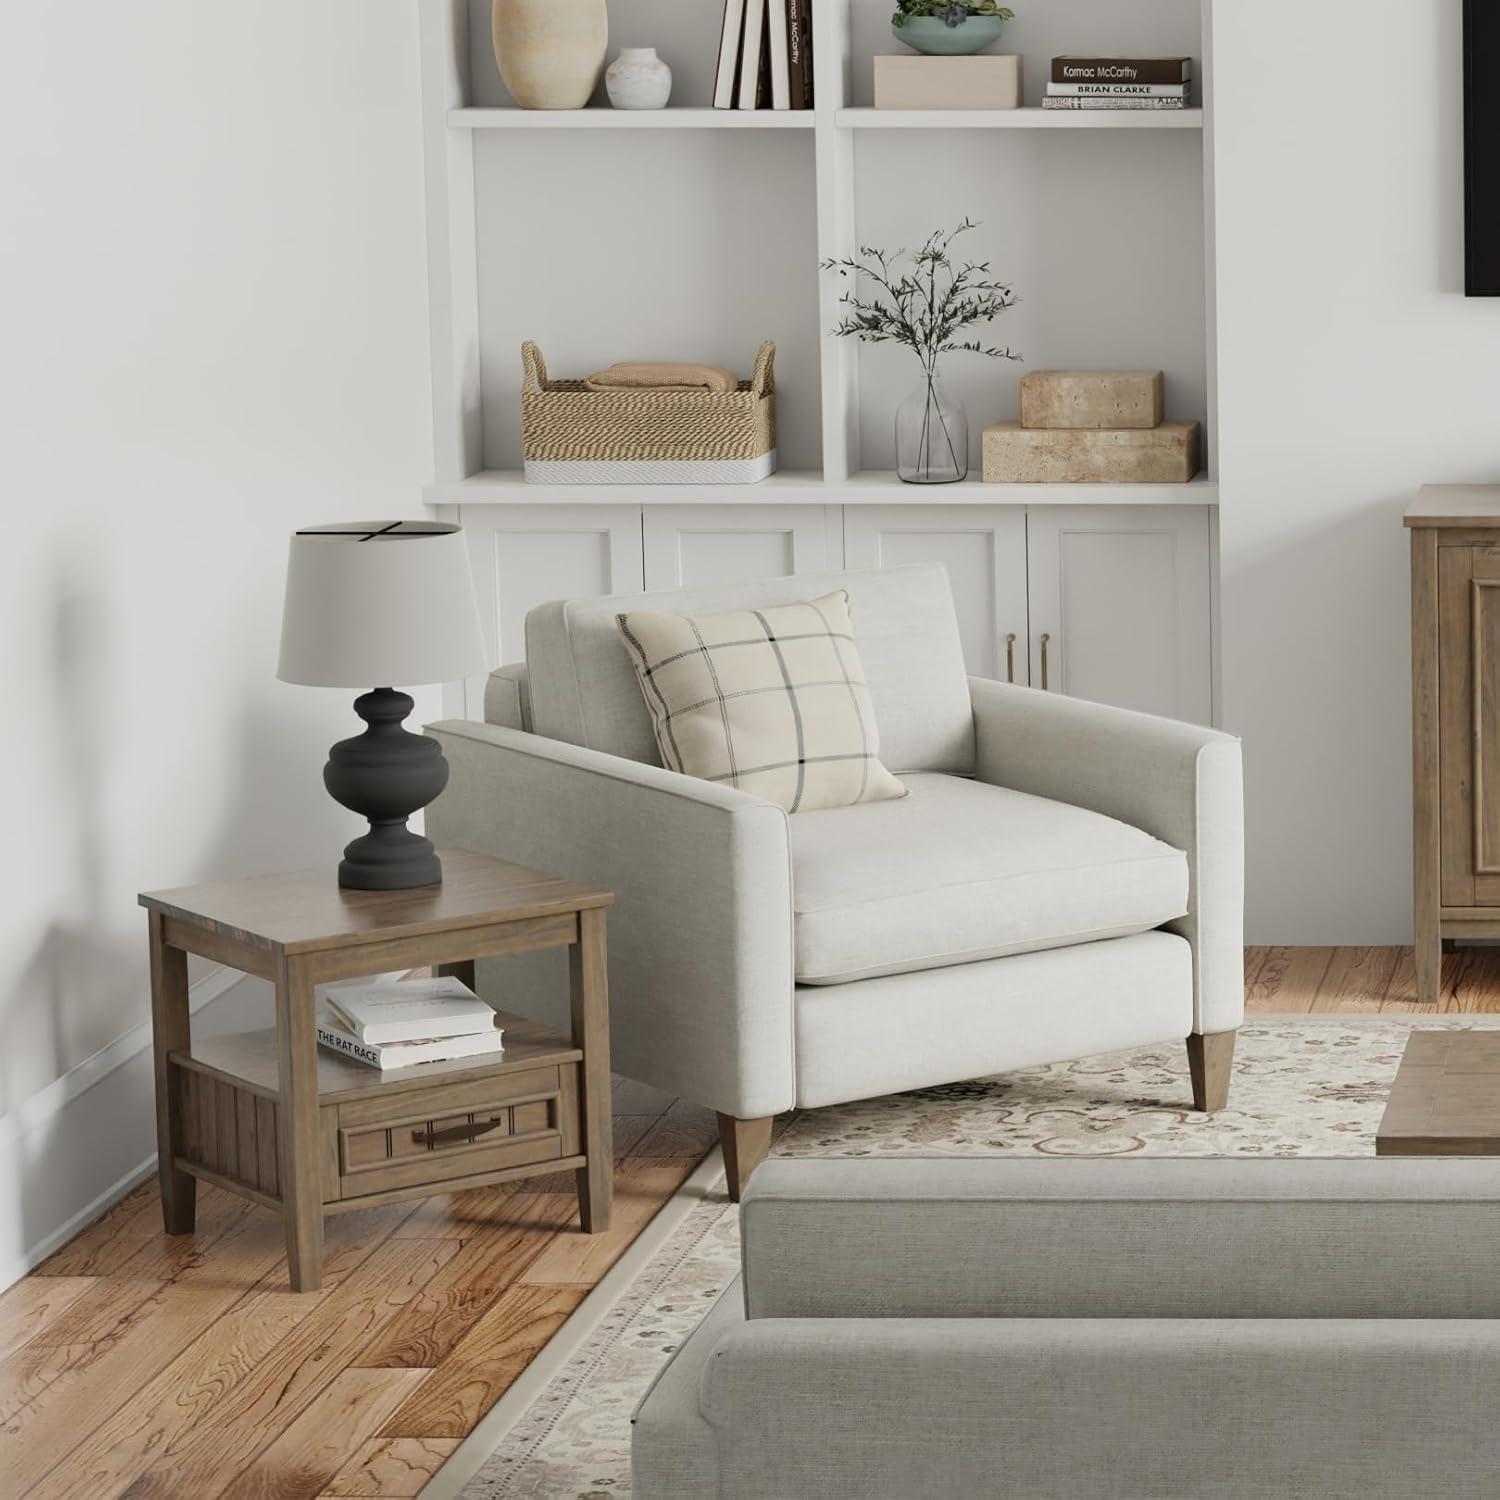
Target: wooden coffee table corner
[(1446, 1097)]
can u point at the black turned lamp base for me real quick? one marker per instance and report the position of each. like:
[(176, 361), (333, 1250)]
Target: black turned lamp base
[(386, 774)]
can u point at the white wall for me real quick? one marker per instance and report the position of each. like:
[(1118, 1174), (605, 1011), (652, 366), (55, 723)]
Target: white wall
[(212, 330), (1351, 371)]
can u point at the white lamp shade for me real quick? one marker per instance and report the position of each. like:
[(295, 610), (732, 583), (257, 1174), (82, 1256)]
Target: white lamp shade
[(380, 604)]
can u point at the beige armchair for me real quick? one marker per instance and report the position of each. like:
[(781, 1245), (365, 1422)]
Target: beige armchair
[(1063, 879)]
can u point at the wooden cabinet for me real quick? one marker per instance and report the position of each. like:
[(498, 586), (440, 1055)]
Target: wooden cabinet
[(1108, 602), (983, 548), (525, 555), (1119, 605), (1103, 602), (687, 546), (1455, 618)]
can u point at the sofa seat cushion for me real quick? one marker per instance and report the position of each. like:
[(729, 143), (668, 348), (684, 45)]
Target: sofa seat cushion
[(959, 871)]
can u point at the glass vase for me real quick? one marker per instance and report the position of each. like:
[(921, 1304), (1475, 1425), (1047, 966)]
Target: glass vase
[(932, 435)]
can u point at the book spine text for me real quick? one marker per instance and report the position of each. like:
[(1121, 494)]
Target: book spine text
[(1121, 69)]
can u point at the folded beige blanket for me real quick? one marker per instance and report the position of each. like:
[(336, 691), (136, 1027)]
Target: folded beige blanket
[(646, 375)]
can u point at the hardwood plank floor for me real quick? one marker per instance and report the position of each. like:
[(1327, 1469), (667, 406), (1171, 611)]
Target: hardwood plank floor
[(136, 1364)]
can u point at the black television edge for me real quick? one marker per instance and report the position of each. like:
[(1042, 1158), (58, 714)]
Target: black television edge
[(1481, 149)]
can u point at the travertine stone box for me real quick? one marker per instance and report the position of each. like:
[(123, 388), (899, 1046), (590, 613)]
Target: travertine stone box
[(905, 81), (1167, 454), (1091, 398)]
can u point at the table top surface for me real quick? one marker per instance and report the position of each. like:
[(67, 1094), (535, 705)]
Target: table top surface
[(1472, 505), (1446, 1097), (308, 909)]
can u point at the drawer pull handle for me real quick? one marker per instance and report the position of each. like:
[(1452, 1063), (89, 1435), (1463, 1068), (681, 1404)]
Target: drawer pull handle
[(468, 1131), (1045, 639), (1010, 657)]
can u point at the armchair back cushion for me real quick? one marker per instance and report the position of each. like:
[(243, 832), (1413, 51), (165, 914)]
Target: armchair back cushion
[(584, 688)]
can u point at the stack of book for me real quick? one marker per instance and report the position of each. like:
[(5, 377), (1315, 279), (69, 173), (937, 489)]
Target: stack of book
[(1120, 83), (396, 1023), (765, 55)]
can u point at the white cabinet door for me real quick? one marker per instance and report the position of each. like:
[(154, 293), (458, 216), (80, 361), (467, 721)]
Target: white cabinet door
[(525, 555), (1120, 606), (984, 549), (691, 545)]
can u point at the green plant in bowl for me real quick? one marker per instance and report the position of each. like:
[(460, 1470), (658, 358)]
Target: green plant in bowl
[(949, 28)]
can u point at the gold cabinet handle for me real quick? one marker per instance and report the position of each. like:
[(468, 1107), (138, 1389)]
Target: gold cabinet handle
[(1010, 657), (1045, 639), (468, 1131)]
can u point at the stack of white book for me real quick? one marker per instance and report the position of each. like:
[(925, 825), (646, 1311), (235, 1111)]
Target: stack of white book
[(395, 1023)]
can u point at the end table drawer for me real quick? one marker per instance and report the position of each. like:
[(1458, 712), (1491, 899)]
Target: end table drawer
[(433, 1135)]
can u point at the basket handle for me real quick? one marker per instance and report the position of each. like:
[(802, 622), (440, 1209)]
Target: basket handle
[(533, 369), (762, 382)]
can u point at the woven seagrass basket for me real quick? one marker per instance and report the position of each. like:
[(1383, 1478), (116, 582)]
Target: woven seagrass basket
[(571, 435)]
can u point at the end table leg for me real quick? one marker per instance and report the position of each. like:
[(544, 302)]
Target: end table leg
[(300, 1168), (171, 1031), (589, 979)]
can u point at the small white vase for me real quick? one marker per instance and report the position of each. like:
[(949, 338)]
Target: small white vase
[(638, 79)]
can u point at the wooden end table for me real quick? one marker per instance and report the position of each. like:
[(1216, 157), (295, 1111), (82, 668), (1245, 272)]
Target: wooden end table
[(1446, 1097), (272, 1116)]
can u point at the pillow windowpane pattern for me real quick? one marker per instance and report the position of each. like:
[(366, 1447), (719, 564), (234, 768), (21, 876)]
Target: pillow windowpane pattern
[(772, 701)]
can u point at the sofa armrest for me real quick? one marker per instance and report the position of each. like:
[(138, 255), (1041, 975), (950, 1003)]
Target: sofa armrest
[(1178, 782), (1062, 1407), (1139, 1237), (507, 697), (700, 935)]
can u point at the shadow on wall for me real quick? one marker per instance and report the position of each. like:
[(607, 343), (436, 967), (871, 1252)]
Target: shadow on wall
[(80, 984), (1304, 682)]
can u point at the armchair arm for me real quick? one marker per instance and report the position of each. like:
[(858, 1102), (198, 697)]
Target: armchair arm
[(1142, 1237), (1178, 782), (700, 935)]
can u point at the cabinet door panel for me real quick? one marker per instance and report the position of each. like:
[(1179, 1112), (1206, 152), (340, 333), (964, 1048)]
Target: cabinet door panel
[(687, 546), (525, 555), (983, 548), (1469, 723), (1120, 607)]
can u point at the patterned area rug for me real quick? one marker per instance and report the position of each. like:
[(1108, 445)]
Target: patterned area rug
[(1302, 1087)]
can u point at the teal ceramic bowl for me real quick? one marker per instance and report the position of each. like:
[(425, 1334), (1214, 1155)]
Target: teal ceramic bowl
[(936, 38)]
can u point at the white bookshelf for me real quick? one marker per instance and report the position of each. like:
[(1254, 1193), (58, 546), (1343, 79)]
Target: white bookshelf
[(694, 233)]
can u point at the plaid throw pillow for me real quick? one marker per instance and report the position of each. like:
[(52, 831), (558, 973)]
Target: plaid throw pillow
[(769, 700)]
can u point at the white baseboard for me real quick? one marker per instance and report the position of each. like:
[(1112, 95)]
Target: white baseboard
[(80, 1144)]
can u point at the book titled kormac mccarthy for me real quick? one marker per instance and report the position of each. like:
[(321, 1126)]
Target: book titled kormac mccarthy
[(1157, 70)]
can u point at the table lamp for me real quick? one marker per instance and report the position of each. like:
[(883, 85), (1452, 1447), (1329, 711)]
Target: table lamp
[(382, 602)]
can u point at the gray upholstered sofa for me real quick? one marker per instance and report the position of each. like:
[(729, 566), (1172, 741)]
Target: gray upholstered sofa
[(1063, 879), (1095, 1330)]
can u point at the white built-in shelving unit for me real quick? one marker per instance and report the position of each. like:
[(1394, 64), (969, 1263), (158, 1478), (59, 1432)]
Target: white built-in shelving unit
[(694, 233)]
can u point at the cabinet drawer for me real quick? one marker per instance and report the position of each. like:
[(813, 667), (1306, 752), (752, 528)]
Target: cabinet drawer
[(432, 1135)]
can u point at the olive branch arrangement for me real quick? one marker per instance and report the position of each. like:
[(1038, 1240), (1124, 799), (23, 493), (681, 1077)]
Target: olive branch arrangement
[(924, 306)]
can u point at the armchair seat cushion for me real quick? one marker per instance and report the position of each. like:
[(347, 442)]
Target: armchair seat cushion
[(960, 871)]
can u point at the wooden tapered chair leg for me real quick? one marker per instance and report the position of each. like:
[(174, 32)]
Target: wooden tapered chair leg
[(1210, 1058), (745, 1144)]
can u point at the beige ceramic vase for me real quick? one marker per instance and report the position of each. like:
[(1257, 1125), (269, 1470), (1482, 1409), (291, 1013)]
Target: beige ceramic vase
[(550, 52)]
